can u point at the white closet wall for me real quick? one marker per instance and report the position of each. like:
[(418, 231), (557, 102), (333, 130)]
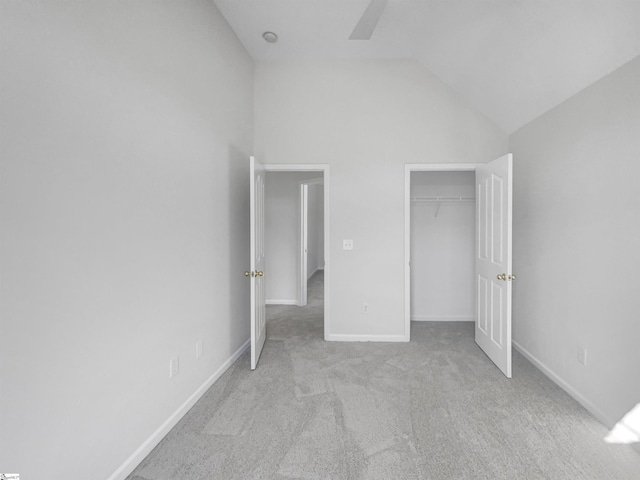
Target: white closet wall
[(442, 247)]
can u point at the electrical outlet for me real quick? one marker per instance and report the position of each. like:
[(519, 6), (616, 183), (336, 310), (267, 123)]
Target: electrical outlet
[(582, 356), (174, 367), (198, 349), (365, 308), (347, 244)]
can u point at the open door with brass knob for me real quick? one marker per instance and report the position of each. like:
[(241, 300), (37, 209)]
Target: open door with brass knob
[(258, 310), (493, 261)]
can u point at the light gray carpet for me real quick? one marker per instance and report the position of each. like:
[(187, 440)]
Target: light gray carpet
[(435, 408)]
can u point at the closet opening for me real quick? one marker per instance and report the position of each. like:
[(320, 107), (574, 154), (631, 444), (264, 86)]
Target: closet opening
[(440, 236), (442, 246)]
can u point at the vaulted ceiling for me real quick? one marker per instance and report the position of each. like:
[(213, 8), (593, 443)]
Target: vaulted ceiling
[(512, 59)]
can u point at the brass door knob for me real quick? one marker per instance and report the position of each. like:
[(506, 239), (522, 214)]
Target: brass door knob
[(502, 276), (248, 274), (512, 277), (259, 273)]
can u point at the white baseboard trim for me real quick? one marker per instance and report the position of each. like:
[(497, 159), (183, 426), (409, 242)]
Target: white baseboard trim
[(150, 443), (281, 302), (365, 338), (586, 403), (443, 318)]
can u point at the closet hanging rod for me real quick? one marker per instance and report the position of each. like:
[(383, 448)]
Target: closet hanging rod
[(443, 199)]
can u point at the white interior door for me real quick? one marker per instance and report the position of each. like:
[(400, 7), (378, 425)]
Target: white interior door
[(304, 242), (493, 261), (256, 274)]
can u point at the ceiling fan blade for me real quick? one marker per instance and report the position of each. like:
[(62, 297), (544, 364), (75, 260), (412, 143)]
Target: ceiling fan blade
[(367, 23)]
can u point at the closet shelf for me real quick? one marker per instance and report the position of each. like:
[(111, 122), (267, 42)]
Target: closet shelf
[(439, 200), (443, 199)]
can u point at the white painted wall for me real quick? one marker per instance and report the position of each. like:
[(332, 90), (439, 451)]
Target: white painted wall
[(282, 232), (125, 135), (442, 248), (366, 119), (577, 242)]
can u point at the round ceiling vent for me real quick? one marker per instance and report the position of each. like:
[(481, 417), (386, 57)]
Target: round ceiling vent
[(270, 37)]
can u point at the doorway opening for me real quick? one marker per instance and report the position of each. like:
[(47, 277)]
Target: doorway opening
[(296, 241)]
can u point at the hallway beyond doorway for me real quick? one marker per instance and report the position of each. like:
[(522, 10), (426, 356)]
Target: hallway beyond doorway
[(285, 320)]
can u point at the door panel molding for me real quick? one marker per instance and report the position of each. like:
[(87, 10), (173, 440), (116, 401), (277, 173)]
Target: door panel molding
[(494, 182), (256, 273)]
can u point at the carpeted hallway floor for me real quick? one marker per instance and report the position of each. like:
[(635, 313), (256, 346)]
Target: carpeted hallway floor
[(435, 408)]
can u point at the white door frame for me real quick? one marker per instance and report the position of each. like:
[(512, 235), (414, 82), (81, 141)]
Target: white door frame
[(303, 238), (322, 168), (419, 167)]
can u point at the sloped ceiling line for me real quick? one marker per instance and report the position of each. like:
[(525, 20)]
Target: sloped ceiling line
[(512, 59)]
